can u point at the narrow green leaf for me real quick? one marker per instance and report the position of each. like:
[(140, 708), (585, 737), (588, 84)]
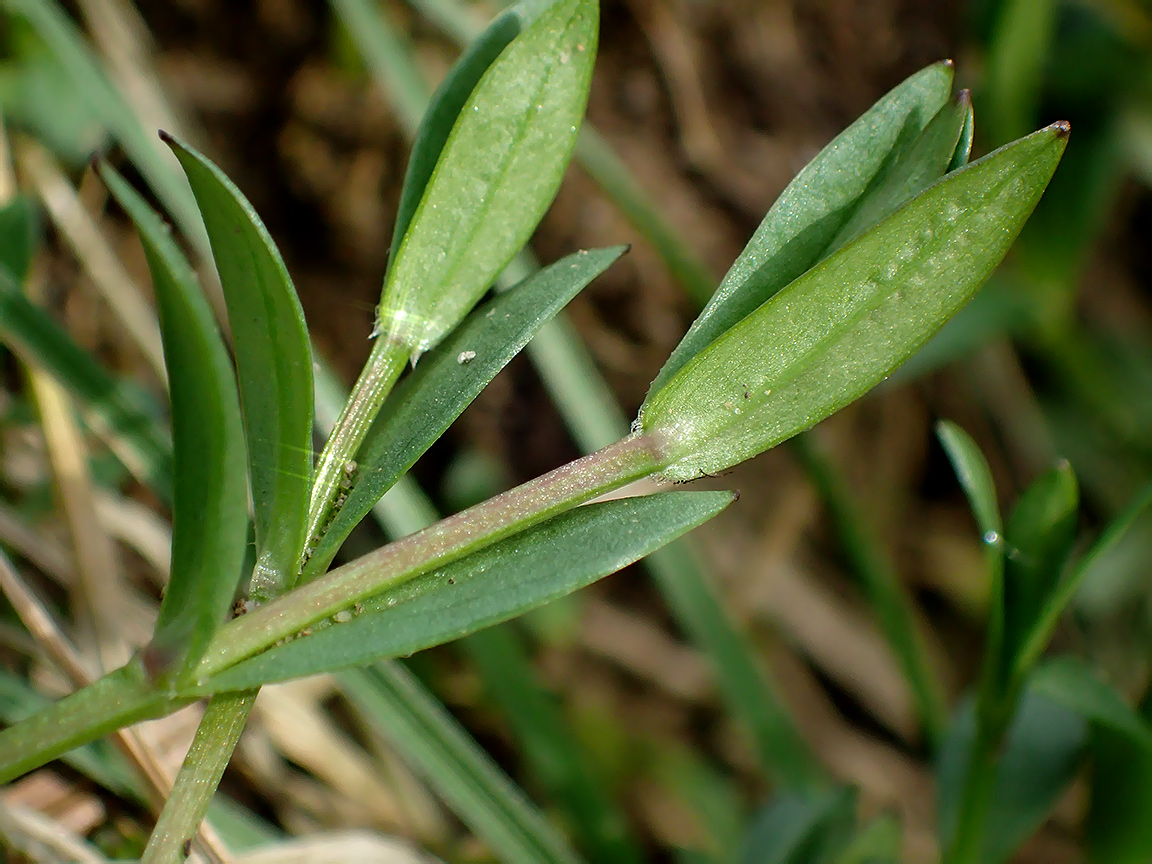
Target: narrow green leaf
[(499, 170), (1039, 534), (844, 325), (925, 162), (559, 767), (17, 237), (273, 363), (115, 408), (210, 495), (499, 582), (446, 382), (394, 703), (1014, 70), (1059, 599), (441, 114), (1041, 755), (808, 214), (880, 842), (120, 698), (964, 145), (1072, 683), (975, 478), (796, 829)]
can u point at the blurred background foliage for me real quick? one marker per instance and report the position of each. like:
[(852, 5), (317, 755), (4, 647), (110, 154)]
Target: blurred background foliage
[(645, 722)]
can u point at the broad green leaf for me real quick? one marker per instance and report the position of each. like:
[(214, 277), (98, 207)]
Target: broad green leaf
[(880, 842), (1039, 536), (844, 325), (497, 173), (796, 829), (1118, 829), (817, 203), (1040, 757), (925, 162), (115, 408), (498, 582), (447, 381), (440, 116), (1069, 681), (210, 492), (17, 237), (273, 364), (394, 704), (975, 478)]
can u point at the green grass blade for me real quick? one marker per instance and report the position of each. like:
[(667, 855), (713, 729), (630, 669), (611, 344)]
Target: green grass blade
[(394, 703), (839, 329), (816, 204), (448, 379), (561, 769), (878, 577), (783, 755), (273, 364), (17, 237), (964, 145), (116, 409), (1072, 683), (1118, 830), (210, 495), (496, 175), (1059, 599), (801, 829), (498, 582), (1014, 68), (1040, 533)]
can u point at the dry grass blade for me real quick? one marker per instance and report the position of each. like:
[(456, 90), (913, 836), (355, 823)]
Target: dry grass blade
[(28, 833)]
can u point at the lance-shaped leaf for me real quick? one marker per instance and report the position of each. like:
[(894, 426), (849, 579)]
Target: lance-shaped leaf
[(501, 581), (844, 325), (210, 495), (820, 199), (447, 381), (273, 364), (497, 173), (1072, 683)]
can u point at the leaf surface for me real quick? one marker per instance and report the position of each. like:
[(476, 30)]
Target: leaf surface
[(844, 325), (210, 492), (808, 214), (496, 175), (273, 364), (500, 581)]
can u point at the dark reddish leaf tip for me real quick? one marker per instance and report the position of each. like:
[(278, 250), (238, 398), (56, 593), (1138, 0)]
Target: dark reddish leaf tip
[(735, 495), (948, 62), (166, 137), (1062, 128), (964, 97)]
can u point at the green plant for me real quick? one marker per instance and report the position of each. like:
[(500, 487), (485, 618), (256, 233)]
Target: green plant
[(878, 242)]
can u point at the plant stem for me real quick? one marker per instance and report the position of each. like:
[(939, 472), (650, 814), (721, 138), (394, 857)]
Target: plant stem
[(120, 698), (200, 774), (448, 540), (384, 366), (976, 798)]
